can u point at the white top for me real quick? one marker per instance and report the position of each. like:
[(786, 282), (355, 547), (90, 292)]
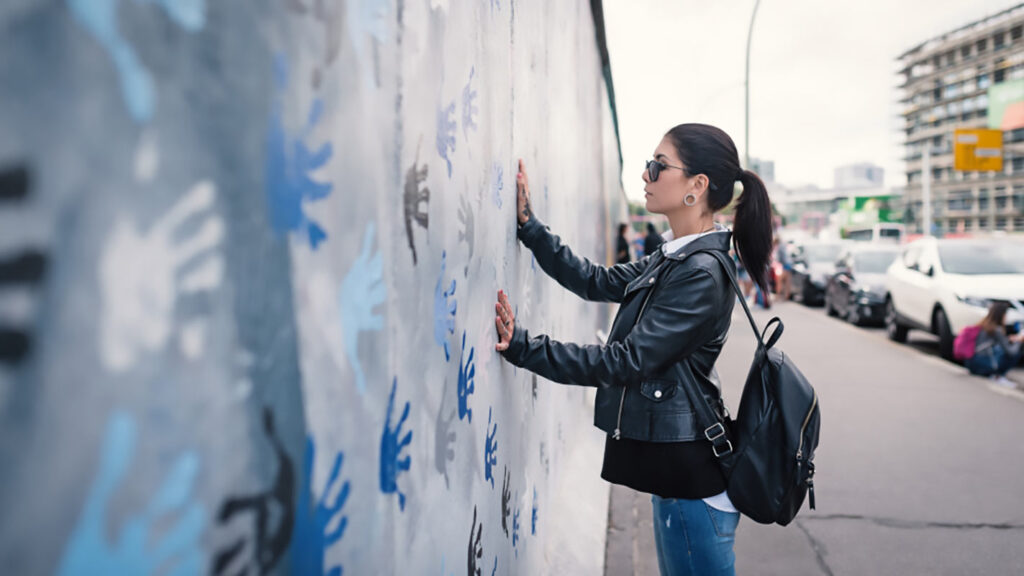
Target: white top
[(718, 501)]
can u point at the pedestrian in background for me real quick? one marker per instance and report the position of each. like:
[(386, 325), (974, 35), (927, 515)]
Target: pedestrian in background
[(653, 240), (995, 352), (675, 311), (622, 247), (784, 281)]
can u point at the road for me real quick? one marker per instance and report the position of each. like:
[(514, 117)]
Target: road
[(918, 471)]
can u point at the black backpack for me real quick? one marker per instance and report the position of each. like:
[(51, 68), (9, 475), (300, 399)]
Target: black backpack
[(767, 452)]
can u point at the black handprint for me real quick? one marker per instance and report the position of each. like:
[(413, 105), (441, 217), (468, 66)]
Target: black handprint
[(270, 547), (26, 268), (414, 196), (476, 549), (506, 496)]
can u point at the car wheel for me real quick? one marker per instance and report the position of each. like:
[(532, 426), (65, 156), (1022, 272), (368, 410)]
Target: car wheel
[(945, 334), (893, 329), (829, 309)]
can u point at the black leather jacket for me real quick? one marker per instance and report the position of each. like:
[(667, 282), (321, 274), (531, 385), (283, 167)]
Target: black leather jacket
[(684, 304)]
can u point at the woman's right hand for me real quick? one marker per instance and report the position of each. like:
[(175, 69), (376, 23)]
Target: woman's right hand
[(523, 209)]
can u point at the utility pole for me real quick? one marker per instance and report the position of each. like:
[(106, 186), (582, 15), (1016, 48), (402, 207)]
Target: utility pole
[(746, 83)]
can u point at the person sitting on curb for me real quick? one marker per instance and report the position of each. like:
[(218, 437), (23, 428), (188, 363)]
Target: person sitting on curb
[(995, 352)]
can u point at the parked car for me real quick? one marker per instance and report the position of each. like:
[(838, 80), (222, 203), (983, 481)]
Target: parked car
[(943, 285), (813, 264), (856, 291)]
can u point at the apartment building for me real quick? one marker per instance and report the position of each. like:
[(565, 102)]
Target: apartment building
[(947, 83)]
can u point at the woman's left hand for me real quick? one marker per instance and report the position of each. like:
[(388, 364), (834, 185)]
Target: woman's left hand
[(504, 322)]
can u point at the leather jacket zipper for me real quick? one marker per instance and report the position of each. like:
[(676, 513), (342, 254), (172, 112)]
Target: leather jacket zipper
[(800, 453), (617, 435)]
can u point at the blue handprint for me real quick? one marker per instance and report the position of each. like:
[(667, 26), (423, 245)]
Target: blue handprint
[(533, 514), (495, 4), (515, 529), (446, 134), (289, 163), (444, 311), (311, 535), (391, 448), (99, 18), (467, 371), (469, 107), (490, 450), (497, 175), (362, 290), (176, 552)]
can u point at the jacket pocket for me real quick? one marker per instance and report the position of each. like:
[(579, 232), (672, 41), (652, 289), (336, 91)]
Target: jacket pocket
[(658, 390)]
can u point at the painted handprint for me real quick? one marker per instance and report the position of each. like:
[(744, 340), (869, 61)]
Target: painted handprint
[(444, 311), (497, 183), (276, 502), (444, 439), (515, 529), (446, 134), (313, 519), (325, 12), (362, 290), (533, 514), (495, 5), (289, 165), (467, 372), (142, 274), (476, 549), (467, 233), (391, 449), (533, 386), (137, 549), (414, 195), (490, 450), (21, 272), (469, 107), (100, 19), (506, 497)]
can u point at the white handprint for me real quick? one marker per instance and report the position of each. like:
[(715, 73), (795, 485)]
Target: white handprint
[(142, 274)]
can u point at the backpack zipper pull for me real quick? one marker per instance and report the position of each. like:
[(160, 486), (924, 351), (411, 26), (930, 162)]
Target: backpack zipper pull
[(617, 434), (810, 490)]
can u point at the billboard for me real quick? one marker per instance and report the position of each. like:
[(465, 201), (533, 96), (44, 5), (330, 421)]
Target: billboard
[(1006, 105)]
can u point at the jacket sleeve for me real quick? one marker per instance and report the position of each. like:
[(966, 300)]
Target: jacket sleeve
[(579, 275), (671, 328)]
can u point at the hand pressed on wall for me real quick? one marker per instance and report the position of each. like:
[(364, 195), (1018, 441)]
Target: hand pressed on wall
[(391, 465), (504, 322), (313, 519), (177, 551)]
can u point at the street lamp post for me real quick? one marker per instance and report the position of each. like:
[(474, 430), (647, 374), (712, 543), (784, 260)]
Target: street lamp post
[(746, 83)]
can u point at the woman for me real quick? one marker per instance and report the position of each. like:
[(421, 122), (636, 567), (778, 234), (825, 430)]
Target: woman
[(622, 246), (676, 307), (995, 352)]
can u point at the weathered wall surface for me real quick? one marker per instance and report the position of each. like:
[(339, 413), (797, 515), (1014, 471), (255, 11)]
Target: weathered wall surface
[(249, 252)]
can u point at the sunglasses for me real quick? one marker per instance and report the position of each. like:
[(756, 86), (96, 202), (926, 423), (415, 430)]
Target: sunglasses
[(654, 168)]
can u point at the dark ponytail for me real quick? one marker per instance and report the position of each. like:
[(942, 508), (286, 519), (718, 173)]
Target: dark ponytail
[(752, 228), (707, 150)]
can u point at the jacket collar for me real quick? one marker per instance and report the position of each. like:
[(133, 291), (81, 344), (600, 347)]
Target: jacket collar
[(716, 241)]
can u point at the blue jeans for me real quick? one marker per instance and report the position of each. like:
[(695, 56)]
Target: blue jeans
[(693, 539), (992, 362)]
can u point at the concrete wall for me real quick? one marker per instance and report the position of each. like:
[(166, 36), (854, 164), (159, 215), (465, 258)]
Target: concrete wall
[(249, 251)]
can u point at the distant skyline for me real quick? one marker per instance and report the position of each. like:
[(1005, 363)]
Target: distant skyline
[(823, 77)]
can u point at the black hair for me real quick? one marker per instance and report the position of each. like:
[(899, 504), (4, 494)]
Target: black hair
[(651, 229), (707, 150), (622, 229)]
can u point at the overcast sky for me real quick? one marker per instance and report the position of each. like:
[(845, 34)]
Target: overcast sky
[(822, 76)]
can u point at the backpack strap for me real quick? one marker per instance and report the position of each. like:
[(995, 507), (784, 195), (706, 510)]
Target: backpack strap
[(714, 429)]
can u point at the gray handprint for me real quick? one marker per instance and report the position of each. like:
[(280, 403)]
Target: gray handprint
[(413, 197)]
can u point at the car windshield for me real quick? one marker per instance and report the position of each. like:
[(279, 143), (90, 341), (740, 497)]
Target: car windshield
[(982, 258), (873, 262), (822, 252)]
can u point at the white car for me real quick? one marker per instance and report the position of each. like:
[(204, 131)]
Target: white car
[(943, 285)]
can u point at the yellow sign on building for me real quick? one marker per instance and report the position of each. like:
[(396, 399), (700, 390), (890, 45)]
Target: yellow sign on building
[(980, 150)]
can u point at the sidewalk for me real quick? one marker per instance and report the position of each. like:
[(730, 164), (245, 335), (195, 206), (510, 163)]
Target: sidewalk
[(630, 547)]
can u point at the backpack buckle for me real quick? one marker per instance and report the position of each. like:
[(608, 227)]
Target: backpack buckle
[(716, 435)]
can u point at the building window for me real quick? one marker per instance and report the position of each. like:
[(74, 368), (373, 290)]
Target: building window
[(1000, 223), (982, 204), (1016, 32), (982, 45), (999, 41), (1018, 164), (983, 81), (999, 75), (965, 52), (1018, 224), (1000, 203), (936, 174), (982, 223)]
